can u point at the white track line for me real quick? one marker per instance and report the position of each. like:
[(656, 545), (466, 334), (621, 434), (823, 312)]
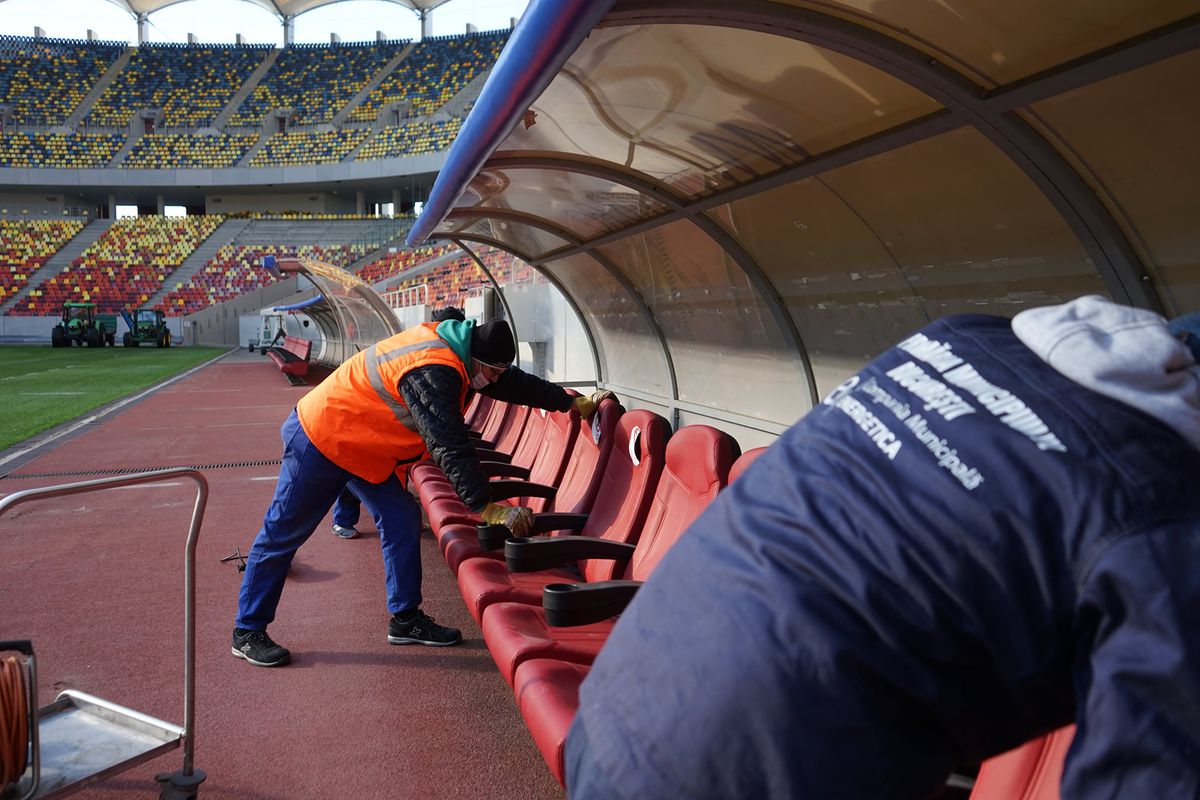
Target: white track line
[(101, 415)]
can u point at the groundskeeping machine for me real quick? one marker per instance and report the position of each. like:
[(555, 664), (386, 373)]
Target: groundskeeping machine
[(148, 327), (81, 325)]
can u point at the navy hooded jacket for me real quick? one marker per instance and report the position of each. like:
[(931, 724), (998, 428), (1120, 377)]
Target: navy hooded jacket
[(960, 549)]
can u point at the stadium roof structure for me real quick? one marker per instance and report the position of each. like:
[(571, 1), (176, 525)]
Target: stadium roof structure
[(283, 9), (782, 188)]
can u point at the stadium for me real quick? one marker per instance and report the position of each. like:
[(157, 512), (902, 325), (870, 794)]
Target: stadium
[(721, 212)]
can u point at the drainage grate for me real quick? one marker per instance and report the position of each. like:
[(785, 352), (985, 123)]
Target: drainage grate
[(79, 473)]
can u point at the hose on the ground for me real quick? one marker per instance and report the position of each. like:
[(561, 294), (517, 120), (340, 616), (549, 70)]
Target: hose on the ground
[(14, 722)]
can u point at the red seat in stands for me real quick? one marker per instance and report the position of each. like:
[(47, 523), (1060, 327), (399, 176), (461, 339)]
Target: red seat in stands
[(626, 487)]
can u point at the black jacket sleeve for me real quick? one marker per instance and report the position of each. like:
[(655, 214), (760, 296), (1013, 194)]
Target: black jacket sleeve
[(431, 394), (517, 386)]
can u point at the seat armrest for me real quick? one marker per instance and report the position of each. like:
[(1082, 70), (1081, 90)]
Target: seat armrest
[(503, 490), (494, 469), (488, 454), (570, 604), (547, 521), (532, 555)]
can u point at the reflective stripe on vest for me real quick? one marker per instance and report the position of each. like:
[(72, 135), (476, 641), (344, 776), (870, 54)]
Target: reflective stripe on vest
[(372, 360), (357, 418)]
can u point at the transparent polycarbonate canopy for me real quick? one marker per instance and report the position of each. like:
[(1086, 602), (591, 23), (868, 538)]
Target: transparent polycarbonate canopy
[(767, 194)]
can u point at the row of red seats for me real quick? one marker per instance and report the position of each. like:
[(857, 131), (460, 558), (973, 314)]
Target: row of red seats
[(627, 489), (617, 490)]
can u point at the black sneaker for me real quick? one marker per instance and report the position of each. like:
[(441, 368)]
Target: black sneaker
[(421, 629), (257, 648)]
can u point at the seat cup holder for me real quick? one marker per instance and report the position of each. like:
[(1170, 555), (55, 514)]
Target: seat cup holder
[(492, 537)]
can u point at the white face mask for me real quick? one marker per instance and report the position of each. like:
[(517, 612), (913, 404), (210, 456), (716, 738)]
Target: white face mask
[(479, 381)]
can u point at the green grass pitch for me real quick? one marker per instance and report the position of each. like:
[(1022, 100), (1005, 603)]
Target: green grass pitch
[(42, 386)]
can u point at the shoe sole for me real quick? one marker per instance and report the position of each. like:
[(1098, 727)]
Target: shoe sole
[(278, 663), (343, 536), (410, 640)]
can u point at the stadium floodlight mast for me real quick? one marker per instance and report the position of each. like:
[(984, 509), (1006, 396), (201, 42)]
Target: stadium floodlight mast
[(285, 10)]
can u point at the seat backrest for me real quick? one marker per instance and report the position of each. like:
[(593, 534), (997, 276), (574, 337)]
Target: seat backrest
[(483, 416), (477, 409), (557, 440), (698, 460), (1032, 771), (630, 477), (744, 460), (586, 461), (501, 413), (509, 435), (531, 438)]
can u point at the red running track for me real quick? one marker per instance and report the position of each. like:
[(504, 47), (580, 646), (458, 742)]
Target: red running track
[(96, 582)]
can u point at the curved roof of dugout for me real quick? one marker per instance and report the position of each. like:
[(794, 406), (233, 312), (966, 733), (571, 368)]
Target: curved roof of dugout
[(767, 193)]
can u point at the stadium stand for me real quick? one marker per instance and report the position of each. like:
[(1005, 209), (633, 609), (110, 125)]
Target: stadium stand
[(190, 83), (182, 151), (450, 282), (25, 245), (44, 79), (393, 264), (315, 81), (433, 72), (238, 269), (56, 150), (125, 267), (411, 139), (303, 147)]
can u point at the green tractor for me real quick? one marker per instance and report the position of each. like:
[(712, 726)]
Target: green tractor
[(81, 325), (147, 326)]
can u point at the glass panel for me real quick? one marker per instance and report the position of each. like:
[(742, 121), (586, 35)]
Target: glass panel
[(722, 335), (526, 239), (1137, 134), (1000, 42), (702, 107), (359, 315), (747, 438), (630, 352), (584, 205), (865, 254)]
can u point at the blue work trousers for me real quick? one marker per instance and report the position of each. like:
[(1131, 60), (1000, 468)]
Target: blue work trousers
[(309, 483), (346, 509)]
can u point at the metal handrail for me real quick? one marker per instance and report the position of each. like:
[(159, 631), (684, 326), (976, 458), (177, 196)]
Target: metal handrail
[(189, 571)]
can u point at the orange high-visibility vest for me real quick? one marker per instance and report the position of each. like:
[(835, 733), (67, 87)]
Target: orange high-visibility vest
[(357, 418)]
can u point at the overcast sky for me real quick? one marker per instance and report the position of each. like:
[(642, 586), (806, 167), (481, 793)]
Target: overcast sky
[(220, 20)]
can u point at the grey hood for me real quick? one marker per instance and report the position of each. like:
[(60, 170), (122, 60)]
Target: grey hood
[(1122, 352)]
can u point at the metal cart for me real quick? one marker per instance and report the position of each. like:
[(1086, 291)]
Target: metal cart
[(79, 739)]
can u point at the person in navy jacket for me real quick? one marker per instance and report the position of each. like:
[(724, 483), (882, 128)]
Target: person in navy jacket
[(990, 531)]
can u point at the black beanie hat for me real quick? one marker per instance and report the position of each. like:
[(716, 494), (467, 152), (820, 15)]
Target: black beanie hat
[(492, 343)]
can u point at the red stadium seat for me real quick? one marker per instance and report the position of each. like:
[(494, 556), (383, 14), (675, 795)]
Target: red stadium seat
[(697, 463), (622, 501), (546, 471), (1032, 771), (546, 669), (590, 445)]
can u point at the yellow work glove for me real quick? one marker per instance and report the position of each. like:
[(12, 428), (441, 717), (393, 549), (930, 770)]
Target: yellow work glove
[(586, 406), (517, 519)]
